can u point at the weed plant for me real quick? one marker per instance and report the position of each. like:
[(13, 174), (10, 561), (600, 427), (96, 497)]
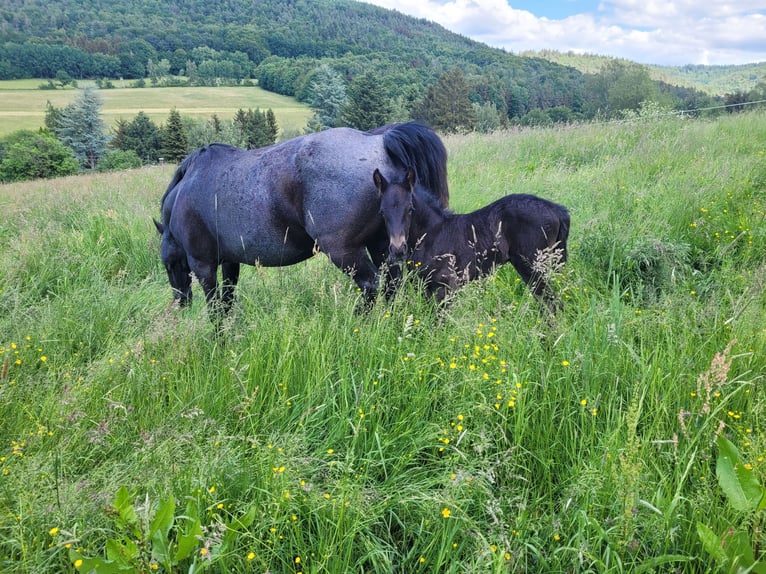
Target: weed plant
[(306, 436)]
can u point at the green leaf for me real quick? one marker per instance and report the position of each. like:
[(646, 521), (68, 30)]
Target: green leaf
[(740, 484), (711, 542), (740, 550), (243, 521), (121, 553), (159, 529), (189, 539), (96, 564), (123, 504)]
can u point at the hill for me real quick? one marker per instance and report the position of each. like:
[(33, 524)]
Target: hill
[(714, 80), (281, 43)]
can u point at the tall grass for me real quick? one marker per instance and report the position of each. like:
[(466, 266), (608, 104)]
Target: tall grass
[(305, 435)]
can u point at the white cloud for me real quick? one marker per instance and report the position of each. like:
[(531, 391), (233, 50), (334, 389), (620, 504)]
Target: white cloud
[(647, 31)]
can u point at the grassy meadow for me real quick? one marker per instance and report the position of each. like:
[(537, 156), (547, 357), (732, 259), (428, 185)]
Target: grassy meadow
[(22, 104), (626, 435)]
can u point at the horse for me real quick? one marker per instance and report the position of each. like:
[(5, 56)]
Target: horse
[(448, 250), (281, 204)]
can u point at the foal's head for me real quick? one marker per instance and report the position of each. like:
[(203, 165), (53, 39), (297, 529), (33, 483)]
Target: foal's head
[(396, 207)]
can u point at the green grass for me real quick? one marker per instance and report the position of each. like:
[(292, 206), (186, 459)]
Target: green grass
[(22, 105), (481, 437)]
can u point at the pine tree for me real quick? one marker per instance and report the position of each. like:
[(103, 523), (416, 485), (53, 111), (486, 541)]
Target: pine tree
[(80, 127), (368, 106), (327, 98), (174, 144), (119, 135), (271, 120), (446, 106), (52, 116), (144, 137)]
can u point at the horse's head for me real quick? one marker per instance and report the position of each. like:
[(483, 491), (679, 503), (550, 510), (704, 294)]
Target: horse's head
[(396, 207), (174, 259)]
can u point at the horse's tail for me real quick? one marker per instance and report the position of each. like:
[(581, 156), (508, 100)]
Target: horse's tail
[(563, 234), (413, 144), (166, 210)]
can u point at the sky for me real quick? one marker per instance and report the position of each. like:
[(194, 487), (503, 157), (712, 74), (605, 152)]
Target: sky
[(663, 32)]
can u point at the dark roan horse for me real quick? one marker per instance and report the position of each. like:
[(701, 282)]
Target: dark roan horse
[(279, 205), (448, 249)]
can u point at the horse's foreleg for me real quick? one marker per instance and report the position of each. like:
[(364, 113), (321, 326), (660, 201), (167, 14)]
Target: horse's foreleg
[(230, 273), (207, 275), (361, 269)]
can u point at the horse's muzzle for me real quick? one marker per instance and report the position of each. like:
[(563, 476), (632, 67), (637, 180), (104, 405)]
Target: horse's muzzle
[(397, 251)]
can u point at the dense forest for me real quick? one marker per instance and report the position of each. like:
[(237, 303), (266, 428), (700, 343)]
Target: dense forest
[(282, 44)]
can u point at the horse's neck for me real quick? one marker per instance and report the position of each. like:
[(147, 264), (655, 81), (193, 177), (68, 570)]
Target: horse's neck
[(428, 216)]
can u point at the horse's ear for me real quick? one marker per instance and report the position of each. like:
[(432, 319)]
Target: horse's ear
[(379, 180), (159, 226), (411, 178)]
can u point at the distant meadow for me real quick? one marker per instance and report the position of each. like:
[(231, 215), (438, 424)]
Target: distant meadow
[(23, 104)]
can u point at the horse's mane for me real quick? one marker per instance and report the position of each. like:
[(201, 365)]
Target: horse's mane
[(413, 144)]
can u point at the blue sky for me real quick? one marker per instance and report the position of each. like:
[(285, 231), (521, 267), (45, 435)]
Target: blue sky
[(558, 9), (665, 32)]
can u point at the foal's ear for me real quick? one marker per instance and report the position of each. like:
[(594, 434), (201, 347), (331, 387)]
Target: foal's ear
[(159, 226), (380, 181)]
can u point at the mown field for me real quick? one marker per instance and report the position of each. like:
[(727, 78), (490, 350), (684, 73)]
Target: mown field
[(626, 435), (22, 104)]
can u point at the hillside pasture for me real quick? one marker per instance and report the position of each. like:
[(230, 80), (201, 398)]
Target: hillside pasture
[(22, 105), (302, 435)]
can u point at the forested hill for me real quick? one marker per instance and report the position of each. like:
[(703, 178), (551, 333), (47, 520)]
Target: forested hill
[(282, 43), (716, 80)]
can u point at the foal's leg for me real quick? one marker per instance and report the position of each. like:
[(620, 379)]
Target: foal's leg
[(378, 250), (536, 282)]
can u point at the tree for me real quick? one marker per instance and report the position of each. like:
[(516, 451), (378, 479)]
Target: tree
[(80, 127), (174, 144), (143, 137), (255, 128), (620, 86), (327, 97), (31, 155), (52, 116), (446, 105), (368, 105)]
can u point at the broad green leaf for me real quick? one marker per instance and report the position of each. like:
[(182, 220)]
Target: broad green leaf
[(123, 553), (124, 506), (740, 484), (159, 529), (96, 564), (712, 542), (189, 539), (740, 550), (243, 521)]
